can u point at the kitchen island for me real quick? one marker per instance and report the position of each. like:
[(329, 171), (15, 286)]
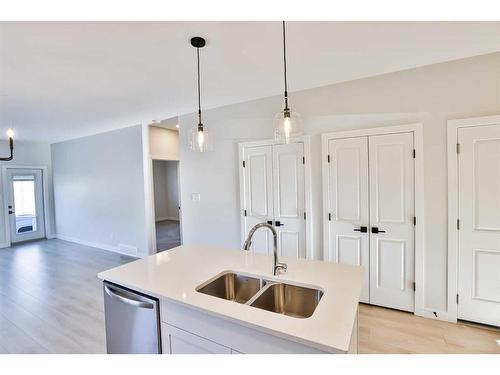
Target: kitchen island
[(195, 318)]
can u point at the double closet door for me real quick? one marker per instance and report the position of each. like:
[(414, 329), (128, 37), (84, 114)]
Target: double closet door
[(370, 200), (272, 190)]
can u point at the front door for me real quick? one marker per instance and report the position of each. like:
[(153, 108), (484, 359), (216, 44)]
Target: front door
[(479, 230), (25, 204)]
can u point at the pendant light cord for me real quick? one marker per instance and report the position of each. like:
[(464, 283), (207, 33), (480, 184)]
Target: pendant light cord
[(199, 90), (284, 65)]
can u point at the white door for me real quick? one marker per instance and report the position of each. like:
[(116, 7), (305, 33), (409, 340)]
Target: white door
[(289, 203), (258, 195), (348, 218), (25, 204), (392, 207), (273, 191), (479, 230)]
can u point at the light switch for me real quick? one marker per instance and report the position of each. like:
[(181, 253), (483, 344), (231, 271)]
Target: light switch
[(195, 197)]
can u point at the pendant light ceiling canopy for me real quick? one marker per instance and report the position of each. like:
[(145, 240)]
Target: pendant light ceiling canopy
[(199, 139), (287, 124)]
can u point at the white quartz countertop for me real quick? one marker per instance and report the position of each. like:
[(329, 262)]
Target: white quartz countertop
[(175, 275)]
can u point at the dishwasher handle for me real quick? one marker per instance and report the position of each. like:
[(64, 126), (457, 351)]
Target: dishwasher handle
[(115, 294)]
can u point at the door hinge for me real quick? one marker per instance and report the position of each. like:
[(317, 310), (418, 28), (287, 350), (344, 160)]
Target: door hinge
[(414, 285), (414, 153), (244, 164), (458, 224), (329, 217), (304, 215), (457, 299), (414, 220), (328, 158), (245, 212), (458, 148), (303, 159)]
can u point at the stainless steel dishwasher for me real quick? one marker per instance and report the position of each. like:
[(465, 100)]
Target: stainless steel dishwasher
[(132, 321)]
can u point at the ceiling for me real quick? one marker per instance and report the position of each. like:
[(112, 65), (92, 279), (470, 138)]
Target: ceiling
[(61, 80)]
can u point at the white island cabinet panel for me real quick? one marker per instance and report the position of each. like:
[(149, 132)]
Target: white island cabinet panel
[(178, 341), (226, 333)]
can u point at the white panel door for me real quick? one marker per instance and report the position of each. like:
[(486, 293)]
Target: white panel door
[(392, 263), (479, 232), (348, 205), (258, 195), (25, 204), (289, 202)]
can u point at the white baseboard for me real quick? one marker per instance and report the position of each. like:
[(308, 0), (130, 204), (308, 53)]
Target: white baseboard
[(114, 249), (4, 245), (167, 218)]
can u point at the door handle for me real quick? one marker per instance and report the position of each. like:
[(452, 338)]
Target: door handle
[(114, 294), (361, 229), (270, 222), (376, 230), (11, 212), (278, 224)]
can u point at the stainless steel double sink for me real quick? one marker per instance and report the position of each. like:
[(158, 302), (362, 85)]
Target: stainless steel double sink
[(275, 296)]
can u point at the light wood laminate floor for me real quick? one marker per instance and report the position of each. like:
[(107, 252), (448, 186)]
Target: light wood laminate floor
[(51, 302)]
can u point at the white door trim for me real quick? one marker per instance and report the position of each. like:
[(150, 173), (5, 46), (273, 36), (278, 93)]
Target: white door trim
[(419, 196), (48, 228), (453, 127), (310, 253)]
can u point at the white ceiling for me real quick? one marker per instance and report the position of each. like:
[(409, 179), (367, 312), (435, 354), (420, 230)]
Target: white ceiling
[(60, 80)]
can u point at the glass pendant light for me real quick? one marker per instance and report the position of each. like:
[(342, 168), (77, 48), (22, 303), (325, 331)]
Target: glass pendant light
[(199, 137), (287, 124)]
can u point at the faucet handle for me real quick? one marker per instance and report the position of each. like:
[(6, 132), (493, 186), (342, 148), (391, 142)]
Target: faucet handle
[(281, 267)]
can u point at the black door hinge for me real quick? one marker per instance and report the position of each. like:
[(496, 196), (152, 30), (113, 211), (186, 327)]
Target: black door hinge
[(303, 159), (329, 217), (414, 153), (245, 212), (458, 224), (414, 220), (304, 215), (243, 163), (458, 148), (328, 158), (457, 299)]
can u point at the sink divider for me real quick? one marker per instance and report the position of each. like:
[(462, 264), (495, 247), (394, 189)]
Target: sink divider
[(267, 285)]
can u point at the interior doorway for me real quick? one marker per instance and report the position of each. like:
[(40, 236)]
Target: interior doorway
[(166, 204), (24, 198)]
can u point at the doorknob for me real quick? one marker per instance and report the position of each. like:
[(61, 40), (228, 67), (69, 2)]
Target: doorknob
[(11, 212), (278, 224), (376, 230), (361, 229)]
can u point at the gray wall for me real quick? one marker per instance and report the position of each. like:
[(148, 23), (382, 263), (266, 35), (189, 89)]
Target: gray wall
[(165, 189), (430, 95), (99, 190)]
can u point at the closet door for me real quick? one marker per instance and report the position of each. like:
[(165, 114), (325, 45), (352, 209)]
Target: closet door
[(258, 195), (391, 173), (289, 202), (348, 205), (479, 234)]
